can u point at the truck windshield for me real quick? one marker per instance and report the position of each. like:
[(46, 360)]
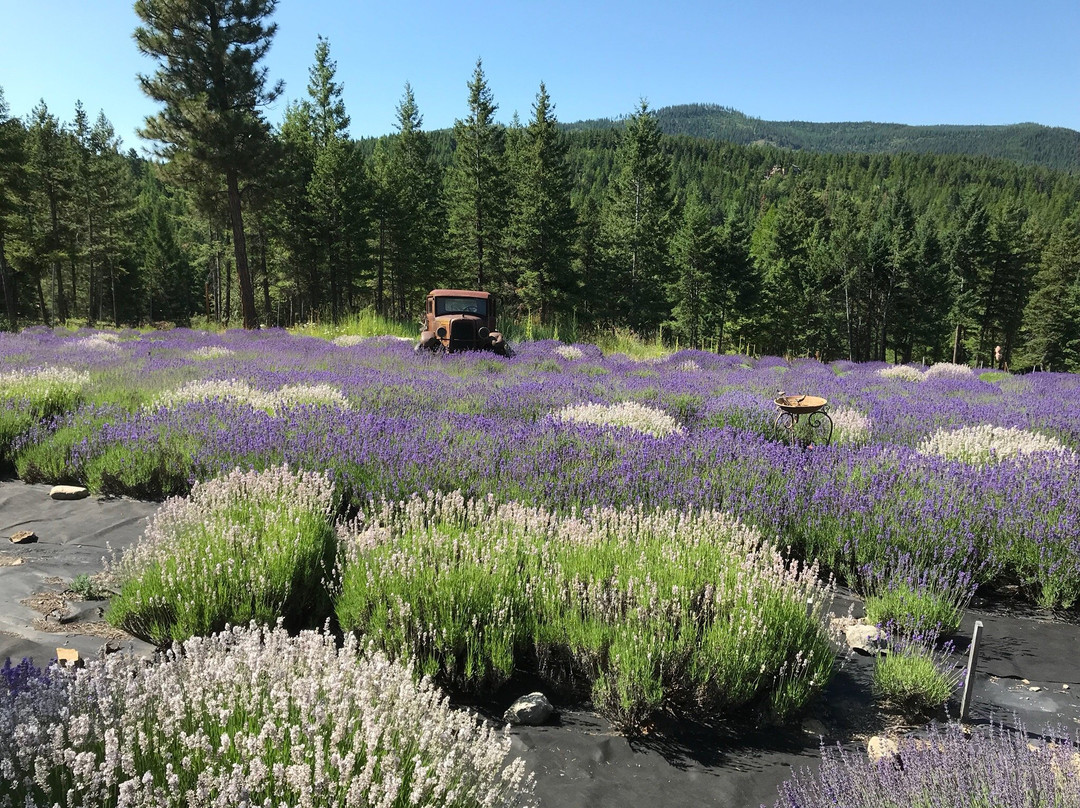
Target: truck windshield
[(460, 305)]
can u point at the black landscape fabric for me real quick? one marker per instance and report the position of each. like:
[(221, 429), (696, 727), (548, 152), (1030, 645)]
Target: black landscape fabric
[(1026, 661)]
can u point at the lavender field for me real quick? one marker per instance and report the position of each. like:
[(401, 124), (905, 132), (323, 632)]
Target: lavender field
[(933, 475), (635, 531)]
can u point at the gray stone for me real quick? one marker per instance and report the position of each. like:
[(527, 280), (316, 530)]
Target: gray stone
[(531, 710), (69, 492), (864, 639)]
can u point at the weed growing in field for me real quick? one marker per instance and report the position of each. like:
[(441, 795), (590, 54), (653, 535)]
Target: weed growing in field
[(647, 610), (247, 717), (248, 546)]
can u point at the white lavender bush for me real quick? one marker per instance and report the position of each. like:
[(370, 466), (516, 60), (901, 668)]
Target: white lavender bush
[(948, 370), (247, 546), (47, 389), (907, 373), (850, 427), (248, 717), (985, 443), (207, 352), (569, 352), (31, 394), (238, 392), (628, 414), (644, 610)]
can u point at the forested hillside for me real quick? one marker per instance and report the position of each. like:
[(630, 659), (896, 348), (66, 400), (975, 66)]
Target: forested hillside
[(712, 243), (1027, 143)]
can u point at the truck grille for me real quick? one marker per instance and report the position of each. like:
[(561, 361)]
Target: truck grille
[(462, 335)]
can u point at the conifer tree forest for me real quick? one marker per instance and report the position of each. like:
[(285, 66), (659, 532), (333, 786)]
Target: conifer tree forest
[(243, 221)]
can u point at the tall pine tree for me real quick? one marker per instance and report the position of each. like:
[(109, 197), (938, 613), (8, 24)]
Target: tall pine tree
[(12, 181), (411, 216), (209, 79), (541, 225), (476, 191), (638, 224)]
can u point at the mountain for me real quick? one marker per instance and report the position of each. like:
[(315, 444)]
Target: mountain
[(1026, 143)]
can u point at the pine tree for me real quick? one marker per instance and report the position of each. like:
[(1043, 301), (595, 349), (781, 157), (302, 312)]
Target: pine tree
[(695, 250), (540, 231), (208, 77), (411, 213), (1007, 288), (12, 181), (337, 192), (1052, 317), (967, 254), (51, 179), (476, 191), (167, 278), (637, 224)]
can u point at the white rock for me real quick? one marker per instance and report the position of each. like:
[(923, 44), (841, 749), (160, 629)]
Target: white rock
[(69, 492)]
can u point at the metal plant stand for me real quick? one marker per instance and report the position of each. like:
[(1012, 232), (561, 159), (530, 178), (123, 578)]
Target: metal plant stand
[(790, 410)]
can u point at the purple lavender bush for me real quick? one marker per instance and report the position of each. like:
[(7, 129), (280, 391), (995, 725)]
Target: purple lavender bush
[(993, 767)]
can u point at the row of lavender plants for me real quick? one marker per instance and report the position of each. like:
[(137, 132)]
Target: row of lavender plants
[(250, 716), (641, 611), (644, 611), (938, 480), (992, 767)]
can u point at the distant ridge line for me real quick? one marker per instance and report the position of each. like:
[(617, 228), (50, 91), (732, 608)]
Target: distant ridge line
[(1051, 147)]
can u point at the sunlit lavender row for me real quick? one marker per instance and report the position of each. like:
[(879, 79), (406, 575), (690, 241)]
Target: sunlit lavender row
[(952, 469)]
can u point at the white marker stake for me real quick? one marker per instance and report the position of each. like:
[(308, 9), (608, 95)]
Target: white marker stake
[(969, 680)]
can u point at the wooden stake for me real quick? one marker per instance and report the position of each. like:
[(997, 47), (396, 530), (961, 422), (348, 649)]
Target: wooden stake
[(969, 680)]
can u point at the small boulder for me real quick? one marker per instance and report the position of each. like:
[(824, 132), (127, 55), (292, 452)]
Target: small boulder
[(69, 492), (23, 537), (530, 710), (864, 639), (880, 747)]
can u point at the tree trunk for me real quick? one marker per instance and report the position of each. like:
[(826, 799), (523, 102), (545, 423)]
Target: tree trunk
[(243, 272), (380, 267), (7, 281), (41, 301), (265, 272), (57, 275)]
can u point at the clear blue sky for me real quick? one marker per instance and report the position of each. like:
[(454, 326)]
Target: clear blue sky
[(913, 61)]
